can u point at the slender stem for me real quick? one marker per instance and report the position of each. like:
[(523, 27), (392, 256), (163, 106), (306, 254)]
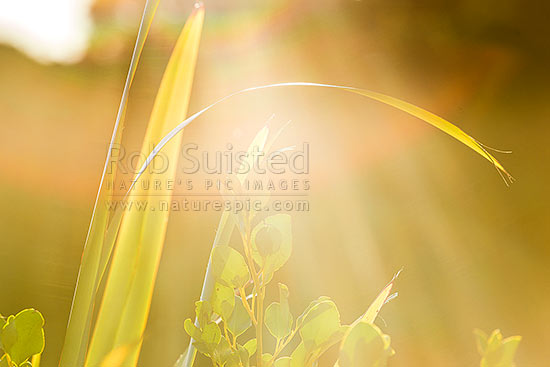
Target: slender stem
[(280, 347), (246, 237), (277, 344), (227, 336), (247, 306), (259, 326), (223, 233)]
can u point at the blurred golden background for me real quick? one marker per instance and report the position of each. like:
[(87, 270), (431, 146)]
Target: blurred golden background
[(387, 190)]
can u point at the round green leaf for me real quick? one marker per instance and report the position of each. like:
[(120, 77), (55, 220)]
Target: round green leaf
[(209, 339), (251, 346), (222, 352), (365, 346), (271, 242), (266, 357), (223, 300), (283, 362), (277, 321), (229, 267), (23, 336), (278, 318), (203, 311), (320, 327), (190, 328), (239, 321)]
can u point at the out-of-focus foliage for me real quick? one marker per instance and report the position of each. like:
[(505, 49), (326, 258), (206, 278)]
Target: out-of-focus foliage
[(495, 350)]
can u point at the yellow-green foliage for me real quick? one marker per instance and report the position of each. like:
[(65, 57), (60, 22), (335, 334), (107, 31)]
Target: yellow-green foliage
[(21, 338), (139, 236), (121, 320), (495, 350), (237, 303), (234, 289), (103, 226)]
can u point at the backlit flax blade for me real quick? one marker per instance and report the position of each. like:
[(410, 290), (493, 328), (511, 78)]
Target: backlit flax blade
[(96, 249), (409, 108), (128, 290)]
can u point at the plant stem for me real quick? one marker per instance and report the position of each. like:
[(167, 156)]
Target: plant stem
[(260, 290), (259, 329), (223, 233), (247, 307), (227, 336), (281, 346)]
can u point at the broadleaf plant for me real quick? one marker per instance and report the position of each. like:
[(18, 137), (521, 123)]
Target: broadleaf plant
[(22, 338), (241, 282), (128, 245)]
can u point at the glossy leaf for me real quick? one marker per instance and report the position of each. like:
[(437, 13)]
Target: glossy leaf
[(223, 301), (203, 312), (283, 362), (497, 351), (321, 326), (365, 346), (209, 339), (192, 330), (244, 357), (229, 267), (266, 357), (23, 335), (278, 318), (222, 353), (239, 321), (311, 305), (299, 356), (271, 242), (251, 346), (320, 329)]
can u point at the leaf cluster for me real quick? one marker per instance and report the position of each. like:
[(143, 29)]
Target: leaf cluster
[(237, 304)]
